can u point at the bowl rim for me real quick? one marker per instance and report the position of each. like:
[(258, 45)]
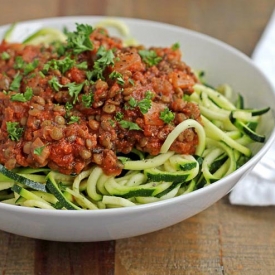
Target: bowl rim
[(170, 201)]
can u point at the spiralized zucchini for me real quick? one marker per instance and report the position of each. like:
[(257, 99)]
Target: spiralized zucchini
[(222, 148)]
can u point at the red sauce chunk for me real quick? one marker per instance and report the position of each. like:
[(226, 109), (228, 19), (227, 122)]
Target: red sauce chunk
[(68, 107)]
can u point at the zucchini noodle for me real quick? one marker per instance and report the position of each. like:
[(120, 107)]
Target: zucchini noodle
[(189, 123), (225, 131)]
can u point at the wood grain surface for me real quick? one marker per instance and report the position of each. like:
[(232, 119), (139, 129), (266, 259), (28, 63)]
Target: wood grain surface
[(223, 239)]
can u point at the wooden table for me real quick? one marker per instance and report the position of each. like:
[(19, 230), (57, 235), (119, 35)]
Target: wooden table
[(223, 239)]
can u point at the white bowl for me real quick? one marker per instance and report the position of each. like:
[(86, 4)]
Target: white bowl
[(222, 64)]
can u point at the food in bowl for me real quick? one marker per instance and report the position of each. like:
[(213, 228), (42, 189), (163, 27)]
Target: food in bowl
[(90, 123)]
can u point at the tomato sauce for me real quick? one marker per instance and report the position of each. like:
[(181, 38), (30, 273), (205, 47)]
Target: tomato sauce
[(75, 118)]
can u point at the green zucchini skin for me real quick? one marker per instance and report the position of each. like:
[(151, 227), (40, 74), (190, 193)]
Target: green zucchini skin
[(155, 174), (52, 185), (245, 129), (20, 179)]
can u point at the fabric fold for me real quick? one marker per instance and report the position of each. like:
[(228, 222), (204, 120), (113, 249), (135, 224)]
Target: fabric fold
[(257, 188)]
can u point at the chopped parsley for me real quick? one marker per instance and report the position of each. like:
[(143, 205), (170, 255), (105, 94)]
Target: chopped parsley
[(175, 46), (82, 66), (150, 57), (144, 105), (29, 67), (166, 115), (5, 56), (74, 90), (14, 130), (15, 84), (87, 100), (19, 63), (124, 123), (89, 75), (131, 81), (73, 119), (63, 65), (79, 40), (54, 83), (118, 116), (23, 97), (106, 58), (129, 125), (68, 106), (118, 76), (38, 151)]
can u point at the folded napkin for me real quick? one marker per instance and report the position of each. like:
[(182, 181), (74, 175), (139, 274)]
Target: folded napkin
[(257, 188)]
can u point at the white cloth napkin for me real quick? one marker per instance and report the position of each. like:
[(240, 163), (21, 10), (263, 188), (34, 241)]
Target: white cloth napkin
[(257, 188)]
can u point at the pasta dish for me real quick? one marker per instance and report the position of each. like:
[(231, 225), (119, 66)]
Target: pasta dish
[(88, 122)]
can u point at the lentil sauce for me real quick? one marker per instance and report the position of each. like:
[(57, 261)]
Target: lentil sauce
[(73, 120)]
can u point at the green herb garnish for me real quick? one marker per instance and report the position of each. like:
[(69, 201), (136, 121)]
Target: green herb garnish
[(38, 151), (87, 100), (175, 46), (23, 97), (118, 116), (74, 90), (19, 63), (14, 130), (5, 56), (73, 119), (129, 125), (118, 77), (79, 41), (144, 105), (15, 85), (150, 57), (54, 83), (29, 67), (62, 65), (166, 115), (106, 58)]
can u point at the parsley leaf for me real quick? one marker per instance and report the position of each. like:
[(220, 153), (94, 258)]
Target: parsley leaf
[(82, 66), (129, 125), (54, 83), (106, 58), (131, 81), (74, 90), (19, 63), (166, 115), (150, 57), (132, 102), (5, 56), (87, 100), (38, 151), (29, 67), (118, 116), (68, 106), (175, 46), (144, 105), (23, 97), (15, 132), (15, 84), (62, 65), (79, 41), (73, 119), (118, 76), (89, 75)]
